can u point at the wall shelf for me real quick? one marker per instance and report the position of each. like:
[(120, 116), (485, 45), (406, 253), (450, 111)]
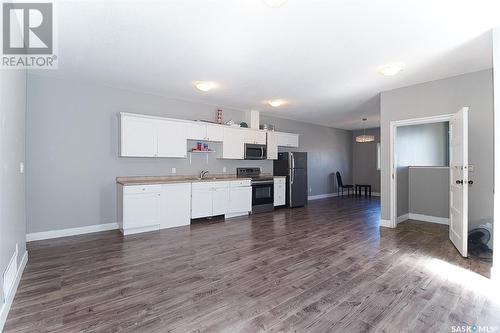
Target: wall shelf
[(199, 152)]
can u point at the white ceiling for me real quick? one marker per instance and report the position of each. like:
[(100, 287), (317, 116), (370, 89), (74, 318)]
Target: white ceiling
[(322, 56)]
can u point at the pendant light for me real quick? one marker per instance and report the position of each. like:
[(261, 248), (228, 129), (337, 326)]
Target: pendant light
[(365, 138)]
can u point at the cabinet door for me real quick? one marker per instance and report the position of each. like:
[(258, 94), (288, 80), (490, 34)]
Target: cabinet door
[(233, 145), (240, 199), (279, 191), (175, 205), (249, 136), (201, 203), (220, 200), (141, 209), (197, 132), (287, 139), (272, 146), (172, 138), (260, 137), (138, 137), (215, 133)]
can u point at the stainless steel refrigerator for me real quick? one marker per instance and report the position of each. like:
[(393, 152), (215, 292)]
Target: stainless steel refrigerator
[(293, 165)]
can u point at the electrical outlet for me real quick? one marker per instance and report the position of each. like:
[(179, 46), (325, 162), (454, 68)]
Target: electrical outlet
[(224, 169), (174, 170), (21, 167), (310, 189)]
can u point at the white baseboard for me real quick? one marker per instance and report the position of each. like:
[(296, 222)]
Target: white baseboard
[(385, 223), (70, 232), (375, 194), (428, 218), (403, 218), (321, 196), (4, 311)]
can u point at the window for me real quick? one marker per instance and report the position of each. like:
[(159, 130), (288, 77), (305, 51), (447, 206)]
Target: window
[(378, 156)]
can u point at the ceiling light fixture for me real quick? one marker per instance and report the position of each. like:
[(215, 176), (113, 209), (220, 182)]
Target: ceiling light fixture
[(365, 138), (275, 103), (205, 85), (274, 3), (391, 69)]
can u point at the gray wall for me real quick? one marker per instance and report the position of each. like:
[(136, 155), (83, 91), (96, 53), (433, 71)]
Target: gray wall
[(72, 150), (443, 97), (418, 145), (364, 160), (12, 153), (328, 150), (429, 191)]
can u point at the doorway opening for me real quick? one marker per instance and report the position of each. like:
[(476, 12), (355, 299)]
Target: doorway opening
[(429, 173)]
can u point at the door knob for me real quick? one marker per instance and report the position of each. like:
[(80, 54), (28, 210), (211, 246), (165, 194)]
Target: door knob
[(470, 182), (459, 182)]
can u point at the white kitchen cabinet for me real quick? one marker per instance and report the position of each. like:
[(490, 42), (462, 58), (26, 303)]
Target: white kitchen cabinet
[(240, 198), (279, 191), (205, 132), (272, 146), (220, 199), (287, 139), (141, 208), (255, 136), (175, 207), (172, 139), (138, 137), (233, 146), (215, 133), (150, 137), (209, 199), (201, 202)]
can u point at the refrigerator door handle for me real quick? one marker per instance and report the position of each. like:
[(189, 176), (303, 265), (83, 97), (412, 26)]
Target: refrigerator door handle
[(292, 178), (293, 160)]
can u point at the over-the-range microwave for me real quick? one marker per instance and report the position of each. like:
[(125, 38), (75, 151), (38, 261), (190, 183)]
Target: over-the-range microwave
[(255, 152)]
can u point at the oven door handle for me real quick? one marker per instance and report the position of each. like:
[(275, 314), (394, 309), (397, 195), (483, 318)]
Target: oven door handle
[(262, 182)]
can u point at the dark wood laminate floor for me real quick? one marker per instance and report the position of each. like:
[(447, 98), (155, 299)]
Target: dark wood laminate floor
[(324, 268)]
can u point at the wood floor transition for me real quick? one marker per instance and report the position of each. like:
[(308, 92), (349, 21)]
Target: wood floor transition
[(324, 268)]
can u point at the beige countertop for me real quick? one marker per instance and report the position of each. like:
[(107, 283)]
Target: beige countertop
[(151, 180)]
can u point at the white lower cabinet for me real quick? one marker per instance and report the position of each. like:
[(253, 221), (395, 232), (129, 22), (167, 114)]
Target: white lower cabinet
[(209, 199), (240, 198), (201, 202), (175, 205), (141, 208), (153, 207), (279, 191)]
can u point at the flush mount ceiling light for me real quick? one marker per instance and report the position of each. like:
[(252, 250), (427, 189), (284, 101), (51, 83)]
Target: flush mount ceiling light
[(274, 3), (275, 103), (365, 138), (391, 69), (205, 85)]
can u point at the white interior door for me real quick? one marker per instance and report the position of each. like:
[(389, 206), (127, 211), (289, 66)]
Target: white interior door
[(459, 180)]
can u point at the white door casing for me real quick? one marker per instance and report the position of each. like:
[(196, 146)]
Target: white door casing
[(459, 180)]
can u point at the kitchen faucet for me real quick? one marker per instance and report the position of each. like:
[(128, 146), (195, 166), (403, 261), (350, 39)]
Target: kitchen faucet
[(203, 173)]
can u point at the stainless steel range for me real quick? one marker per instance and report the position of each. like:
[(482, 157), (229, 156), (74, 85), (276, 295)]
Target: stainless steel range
[(262, 189)]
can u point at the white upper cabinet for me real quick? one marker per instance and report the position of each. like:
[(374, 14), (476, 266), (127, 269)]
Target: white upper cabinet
[(272, 146), (205, 132), (172, 139), (197, 131), (233, 146), (287, 139), (150, 137), (255, 136), (138, 137), (215, 133)]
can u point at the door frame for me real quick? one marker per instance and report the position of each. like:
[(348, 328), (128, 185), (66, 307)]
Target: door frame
[(393, 179)]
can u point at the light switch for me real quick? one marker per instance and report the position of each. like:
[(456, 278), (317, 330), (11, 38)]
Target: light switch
[(174, 170), (471, 168), (21, 167)]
